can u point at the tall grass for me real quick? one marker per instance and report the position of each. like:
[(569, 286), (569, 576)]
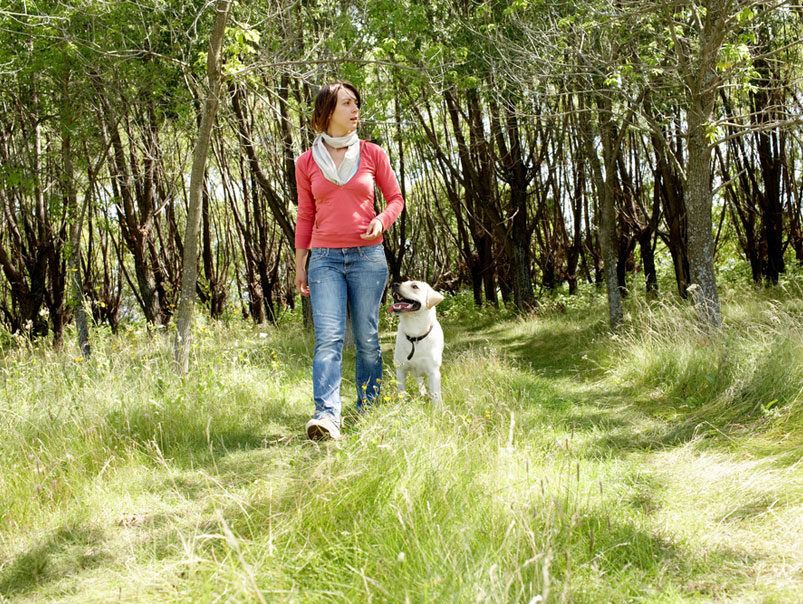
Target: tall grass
[(744, 378), (660, 464)]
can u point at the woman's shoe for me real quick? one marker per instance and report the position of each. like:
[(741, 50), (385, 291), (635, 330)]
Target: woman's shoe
[(323, 428)]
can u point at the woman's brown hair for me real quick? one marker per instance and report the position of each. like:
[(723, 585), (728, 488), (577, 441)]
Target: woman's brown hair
[(325, 104)]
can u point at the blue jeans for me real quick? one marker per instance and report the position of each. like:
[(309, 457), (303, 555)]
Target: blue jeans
[(339, 276)]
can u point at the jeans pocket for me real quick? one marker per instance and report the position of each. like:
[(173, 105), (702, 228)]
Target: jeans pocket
[(374, 253), (317, 253)]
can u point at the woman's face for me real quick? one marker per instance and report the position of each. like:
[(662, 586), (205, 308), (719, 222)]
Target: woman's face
[(345, 115)]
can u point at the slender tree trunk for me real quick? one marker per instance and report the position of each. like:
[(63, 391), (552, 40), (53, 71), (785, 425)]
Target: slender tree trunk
[(190, 271), (607, 211), (771, 162), (607, 233), (670, 192), (42, 251), (575, 249), (396, 257), (76, 300), (77, 297), (648, 262), (135, 230)]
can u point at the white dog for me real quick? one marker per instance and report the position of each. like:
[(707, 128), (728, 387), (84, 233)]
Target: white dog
[(419, 340)]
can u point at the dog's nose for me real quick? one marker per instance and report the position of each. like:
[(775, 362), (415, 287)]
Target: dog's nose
[(394, 286)]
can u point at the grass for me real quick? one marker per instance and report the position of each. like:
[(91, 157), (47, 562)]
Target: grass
[(660, 464)]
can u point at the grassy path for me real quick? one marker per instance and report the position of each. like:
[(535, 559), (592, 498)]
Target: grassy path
[(566, 466)]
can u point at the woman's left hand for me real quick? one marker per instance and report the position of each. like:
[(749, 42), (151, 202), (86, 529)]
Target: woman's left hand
[(374, 229)]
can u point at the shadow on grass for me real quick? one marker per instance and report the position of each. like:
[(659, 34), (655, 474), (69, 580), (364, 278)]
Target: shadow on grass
[(568, 386), (638, 562), (611, 421), (558, 349), (189, 489), (66, 551), (186, 434)]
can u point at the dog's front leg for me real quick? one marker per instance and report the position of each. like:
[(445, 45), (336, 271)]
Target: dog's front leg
[(422, 390), (401, 377), (434, 379)]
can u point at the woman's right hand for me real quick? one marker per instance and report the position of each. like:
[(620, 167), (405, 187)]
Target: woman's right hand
[(301, 271), (301, 282)]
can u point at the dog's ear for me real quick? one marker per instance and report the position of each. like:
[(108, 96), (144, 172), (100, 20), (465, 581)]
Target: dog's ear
[(433, 298)]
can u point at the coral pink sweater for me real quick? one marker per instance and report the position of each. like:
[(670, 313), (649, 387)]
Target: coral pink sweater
[(331, 215)]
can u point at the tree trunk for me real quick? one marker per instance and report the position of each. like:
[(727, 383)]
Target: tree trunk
[(607, 211), (669, 191), (648, 262), (700, 227), (702, 83), (771, 162), (135, 230), (76, 300), (190, 270), (396, 256), (573, 253), (607, 236), (518, 179)]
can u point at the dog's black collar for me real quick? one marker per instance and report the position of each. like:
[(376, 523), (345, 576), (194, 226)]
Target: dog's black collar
[(413, 340)]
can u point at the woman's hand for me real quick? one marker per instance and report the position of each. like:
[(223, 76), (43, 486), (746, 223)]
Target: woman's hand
[(301, 282), (374, 229), (301, 272)]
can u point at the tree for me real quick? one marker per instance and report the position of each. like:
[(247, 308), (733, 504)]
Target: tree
[(697, 57), (190, 271), (531, 139)]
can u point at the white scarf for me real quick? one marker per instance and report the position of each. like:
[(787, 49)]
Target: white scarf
[(350, 163)]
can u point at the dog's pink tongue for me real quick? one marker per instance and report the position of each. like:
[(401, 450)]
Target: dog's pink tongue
[(400, 307)]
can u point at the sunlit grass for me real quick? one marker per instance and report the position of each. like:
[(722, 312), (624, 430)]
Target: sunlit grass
[(566, 465)]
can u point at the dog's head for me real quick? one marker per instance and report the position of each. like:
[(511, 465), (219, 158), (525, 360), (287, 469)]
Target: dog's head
[(412, 296)]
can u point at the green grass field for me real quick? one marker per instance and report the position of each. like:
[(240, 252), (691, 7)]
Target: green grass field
[(568, 464)]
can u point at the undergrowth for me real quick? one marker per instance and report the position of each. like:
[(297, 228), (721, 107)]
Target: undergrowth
[(567, 464)]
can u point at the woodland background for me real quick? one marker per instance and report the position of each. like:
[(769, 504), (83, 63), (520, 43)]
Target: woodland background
[(568, 167), (537, 142)]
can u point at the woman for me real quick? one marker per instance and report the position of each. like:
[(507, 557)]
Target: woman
[(337, 222)]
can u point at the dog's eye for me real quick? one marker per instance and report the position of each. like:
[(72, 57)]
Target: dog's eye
[(415, 286)]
